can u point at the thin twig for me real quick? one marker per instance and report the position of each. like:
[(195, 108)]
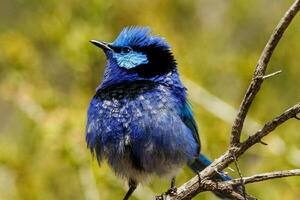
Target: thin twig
[(241, 177), (263, 143), (266, 176), (260, 72), (272, 74), (270, 126), (228, 157)]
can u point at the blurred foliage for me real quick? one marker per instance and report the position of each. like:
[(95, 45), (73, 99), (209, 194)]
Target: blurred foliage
[(49, 72)]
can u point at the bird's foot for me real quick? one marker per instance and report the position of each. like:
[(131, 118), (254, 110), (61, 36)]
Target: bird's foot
[(159, 197), (172, 191)]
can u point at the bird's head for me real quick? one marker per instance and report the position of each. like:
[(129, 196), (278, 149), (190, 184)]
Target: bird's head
[(137, 55)]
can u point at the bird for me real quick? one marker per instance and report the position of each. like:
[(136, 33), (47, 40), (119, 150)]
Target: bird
[(140, 120)]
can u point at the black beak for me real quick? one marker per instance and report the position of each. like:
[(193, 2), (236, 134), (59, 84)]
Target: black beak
[(103, 45)]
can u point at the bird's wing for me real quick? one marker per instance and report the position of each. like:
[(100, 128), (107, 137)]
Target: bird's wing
[(187, 117)]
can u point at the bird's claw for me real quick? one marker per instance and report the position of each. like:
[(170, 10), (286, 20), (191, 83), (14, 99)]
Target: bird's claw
[(172, 191), (159, 197)]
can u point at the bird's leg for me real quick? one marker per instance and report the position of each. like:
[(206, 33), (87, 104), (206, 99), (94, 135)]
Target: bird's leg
[(173, 182), (173, 190), (132, 186)]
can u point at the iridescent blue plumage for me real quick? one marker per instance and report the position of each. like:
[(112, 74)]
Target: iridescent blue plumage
[(139, 119), (139, 37)]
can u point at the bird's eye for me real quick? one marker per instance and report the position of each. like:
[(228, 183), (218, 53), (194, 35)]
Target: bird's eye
[(126, 49)]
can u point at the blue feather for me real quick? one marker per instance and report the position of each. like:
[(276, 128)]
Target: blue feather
[(188, 118), (139, 37), (131, 59), (202, 162), (139, 120)]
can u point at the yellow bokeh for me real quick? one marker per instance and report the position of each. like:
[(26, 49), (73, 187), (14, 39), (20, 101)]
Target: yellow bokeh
[(49, 72)]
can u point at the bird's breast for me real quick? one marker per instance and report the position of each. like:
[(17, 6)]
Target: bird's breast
[(140, 121)]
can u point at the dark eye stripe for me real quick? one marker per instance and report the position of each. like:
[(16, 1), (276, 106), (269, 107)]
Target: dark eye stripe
[(120, 49), (125, 49)]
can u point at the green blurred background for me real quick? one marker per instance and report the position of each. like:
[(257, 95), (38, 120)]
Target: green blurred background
[(49, 72)]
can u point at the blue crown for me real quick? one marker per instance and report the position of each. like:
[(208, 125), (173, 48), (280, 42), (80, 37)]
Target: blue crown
[(139, 37)]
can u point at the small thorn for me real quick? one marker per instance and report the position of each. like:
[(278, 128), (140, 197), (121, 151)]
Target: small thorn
[(296, 117), (272, 74), (231, 169), (261, 142)]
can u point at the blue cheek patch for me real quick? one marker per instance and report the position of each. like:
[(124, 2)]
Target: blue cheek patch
[(131, 59)]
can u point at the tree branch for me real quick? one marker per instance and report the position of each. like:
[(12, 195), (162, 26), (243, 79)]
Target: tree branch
[(265, 176), (260, 72), (271, 126), (227, 188), (192, 187), (204, 181)]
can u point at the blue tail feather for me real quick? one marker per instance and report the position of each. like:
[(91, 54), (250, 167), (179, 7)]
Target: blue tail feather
[(202, 162)]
